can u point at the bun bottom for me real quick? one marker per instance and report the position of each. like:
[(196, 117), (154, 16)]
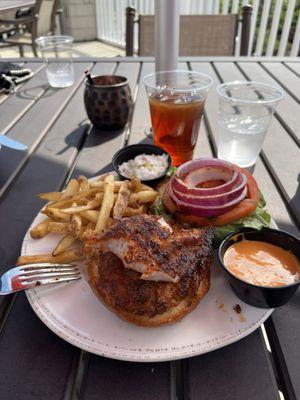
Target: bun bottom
[(172, 315)]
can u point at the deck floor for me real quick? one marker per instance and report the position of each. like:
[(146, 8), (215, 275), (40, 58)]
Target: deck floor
[(81, 49)]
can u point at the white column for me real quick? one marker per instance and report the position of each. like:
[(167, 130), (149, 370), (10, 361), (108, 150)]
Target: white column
[(166, 34), (263, 27), (274, 28), (286, 27), (296, 41)]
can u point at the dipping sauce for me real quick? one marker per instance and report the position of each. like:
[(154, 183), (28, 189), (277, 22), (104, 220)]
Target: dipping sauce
[(145, 167), (262, 263)]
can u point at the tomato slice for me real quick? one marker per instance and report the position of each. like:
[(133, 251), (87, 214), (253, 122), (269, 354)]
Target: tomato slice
[(242, 210)]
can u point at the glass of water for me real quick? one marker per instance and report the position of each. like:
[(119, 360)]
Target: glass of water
[(245, 111), (57, 52)]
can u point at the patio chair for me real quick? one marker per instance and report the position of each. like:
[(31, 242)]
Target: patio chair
[(200, 35), (39, 22), (6, 29)]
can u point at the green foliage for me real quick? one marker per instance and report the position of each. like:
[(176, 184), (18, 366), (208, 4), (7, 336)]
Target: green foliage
[(280, 27)]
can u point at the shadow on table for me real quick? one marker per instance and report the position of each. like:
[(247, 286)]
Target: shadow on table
[(290, 228), (98, 137), (296, 198), (30, 93), (94, 138)]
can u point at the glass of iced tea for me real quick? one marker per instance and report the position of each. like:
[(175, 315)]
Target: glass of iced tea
[(176, 100)]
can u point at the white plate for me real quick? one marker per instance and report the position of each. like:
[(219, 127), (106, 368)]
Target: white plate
[(72, 311)]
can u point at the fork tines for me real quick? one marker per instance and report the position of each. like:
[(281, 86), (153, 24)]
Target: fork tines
[(48, 273)]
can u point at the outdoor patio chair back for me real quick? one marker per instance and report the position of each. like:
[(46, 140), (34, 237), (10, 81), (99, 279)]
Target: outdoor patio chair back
[(200, 35), (39, 21), (46, 11)]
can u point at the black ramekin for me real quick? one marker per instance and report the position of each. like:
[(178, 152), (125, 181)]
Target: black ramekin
[(261, 296), (129, 152)]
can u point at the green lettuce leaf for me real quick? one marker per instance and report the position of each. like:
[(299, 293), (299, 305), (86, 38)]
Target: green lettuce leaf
[(259, 219), (159, 209)]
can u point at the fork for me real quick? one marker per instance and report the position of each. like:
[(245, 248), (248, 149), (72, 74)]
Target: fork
[(32, 275)]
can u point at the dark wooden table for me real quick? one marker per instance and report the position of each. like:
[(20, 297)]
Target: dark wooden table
[(34, 362), (13, 5)]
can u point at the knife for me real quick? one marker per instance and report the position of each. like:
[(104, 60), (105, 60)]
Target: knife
[(13, 144)]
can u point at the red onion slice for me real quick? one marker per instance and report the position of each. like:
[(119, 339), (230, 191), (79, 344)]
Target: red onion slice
[(196, 171), (200, 175), (208, 211), (212, 200), (192, 165)]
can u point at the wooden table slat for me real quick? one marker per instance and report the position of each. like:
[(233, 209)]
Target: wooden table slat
[(287, 109), (295, 66), (141, 114), (110, 379), (239, 371), (26, 95), (288, 79), (4, 97), (34, 125), (28, 372)]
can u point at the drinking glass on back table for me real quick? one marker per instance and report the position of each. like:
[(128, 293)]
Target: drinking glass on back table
[(245, 112), (176, 100), (57, 52)]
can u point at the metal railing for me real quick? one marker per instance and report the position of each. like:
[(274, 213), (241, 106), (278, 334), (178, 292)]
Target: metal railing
[(275, 24)]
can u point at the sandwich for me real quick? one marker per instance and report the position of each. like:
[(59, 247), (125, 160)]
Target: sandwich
[(148, 272)]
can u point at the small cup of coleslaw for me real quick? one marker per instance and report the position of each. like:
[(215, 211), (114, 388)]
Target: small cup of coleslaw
[(147, 162)]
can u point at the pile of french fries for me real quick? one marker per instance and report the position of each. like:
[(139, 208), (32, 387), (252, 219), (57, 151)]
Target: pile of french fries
[(84, 206)]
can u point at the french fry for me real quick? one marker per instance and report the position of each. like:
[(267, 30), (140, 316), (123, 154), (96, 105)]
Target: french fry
[(63, 245), (66, 257), (107, 203), (131, 211), (91, 215), (78, 209), (70, 199), (100, 185), (40, 230), (71, 189), (75, 225), (83, 182), (50, 196), (136, 184), (146, 196), (145, 187), (61, 203), (99, 196), (82, 202), (122, 200), (83, 207), (55, 214), (57, 227)]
